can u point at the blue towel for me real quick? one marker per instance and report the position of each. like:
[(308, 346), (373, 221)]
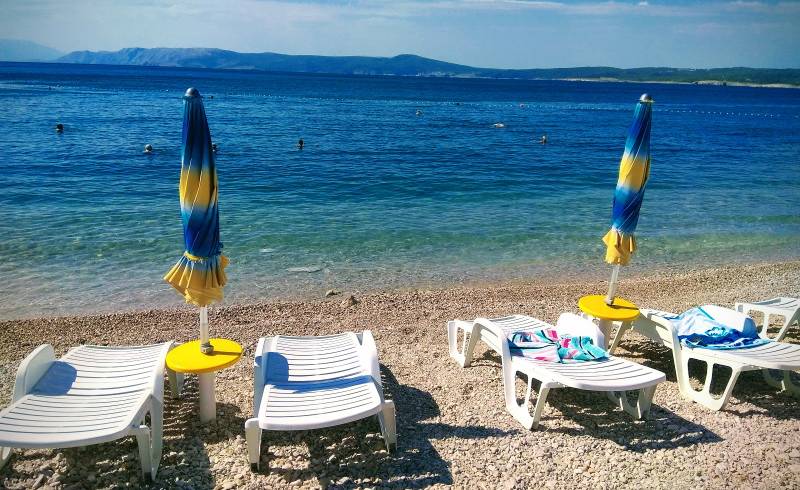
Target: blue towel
[(698, 328)]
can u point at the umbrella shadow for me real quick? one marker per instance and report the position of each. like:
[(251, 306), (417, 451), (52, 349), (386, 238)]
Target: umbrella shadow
[(597, 417), (185, 438), (354, 455)]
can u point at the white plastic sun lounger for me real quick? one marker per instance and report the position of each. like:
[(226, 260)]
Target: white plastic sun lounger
[(658, 326), (788, 308), (304, 383), (613, 375), (93, 394)]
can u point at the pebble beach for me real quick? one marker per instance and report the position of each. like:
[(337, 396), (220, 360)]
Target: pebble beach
[(453, 429)]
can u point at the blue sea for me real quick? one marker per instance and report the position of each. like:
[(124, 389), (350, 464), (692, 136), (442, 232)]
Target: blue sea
[(380, 197)]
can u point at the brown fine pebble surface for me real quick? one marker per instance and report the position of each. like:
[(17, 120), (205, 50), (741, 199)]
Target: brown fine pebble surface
[(453, 429)]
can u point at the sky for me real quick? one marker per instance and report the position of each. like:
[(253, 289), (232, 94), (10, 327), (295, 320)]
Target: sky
[(484, 33)]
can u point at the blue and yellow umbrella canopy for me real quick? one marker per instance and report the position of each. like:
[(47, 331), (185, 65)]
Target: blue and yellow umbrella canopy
[(199, 275), (634, 170)]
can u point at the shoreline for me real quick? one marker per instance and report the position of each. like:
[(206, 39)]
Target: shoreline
[(715, 83), (453, 428), (597, 277)]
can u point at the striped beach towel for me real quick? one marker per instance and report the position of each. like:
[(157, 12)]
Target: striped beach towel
[(546, 345), (707, 328)]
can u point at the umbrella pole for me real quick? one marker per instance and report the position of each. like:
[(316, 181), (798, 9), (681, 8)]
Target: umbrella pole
[(205, 343), (612, 285)]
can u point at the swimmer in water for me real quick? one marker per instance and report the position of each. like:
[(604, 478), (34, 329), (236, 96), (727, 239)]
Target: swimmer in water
[(214, 147), (148, 148), (300, 144), (59, 128), (543, 140)]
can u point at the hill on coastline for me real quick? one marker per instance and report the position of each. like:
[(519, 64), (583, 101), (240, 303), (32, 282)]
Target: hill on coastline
[(21, 50), (412, 65)]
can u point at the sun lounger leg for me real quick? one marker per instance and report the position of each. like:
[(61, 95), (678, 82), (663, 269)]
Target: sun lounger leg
[(645, 401), (783, 381), (464, 356), (175, 383), (388, 425), (142, 434), (790, 386), (704, 396), (521, 412), (157, 438), (624, 327), (642, 408), (5, 455), (252, 434)]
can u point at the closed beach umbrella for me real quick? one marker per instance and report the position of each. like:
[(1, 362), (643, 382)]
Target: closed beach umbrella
[(634, 169), (199, 275)]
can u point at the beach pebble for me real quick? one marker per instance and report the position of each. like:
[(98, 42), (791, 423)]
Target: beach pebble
[(38, 482), (349, 301)]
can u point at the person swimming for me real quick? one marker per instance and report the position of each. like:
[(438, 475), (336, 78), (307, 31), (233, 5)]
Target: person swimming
[(59, 128), (214, 147), (300, 144), (148, 148), (543, 140)]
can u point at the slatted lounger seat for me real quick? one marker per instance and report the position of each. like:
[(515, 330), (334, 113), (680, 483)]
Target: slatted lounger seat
[(92, 395), (658, 326), (304, 383), (613, 375)]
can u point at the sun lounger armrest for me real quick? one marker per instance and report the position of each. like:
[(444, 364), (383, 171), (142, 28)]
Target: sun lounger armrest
[(158, 374), (32, 368), (655, 325), (502, 341), (258, 357), (369, 356), (259, 371)]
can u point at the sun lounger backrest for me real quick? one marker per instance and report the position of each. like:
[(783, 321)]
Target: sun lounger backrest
[(295, 359), (726, 316), (574, 325)]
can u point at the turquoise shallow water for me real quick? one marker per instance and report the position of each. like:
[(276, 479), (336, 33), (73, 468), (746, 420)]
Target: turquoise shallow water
[(379, 197)]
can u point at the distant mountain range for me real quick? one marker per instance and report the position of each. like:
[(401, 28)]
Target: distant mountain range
[(20, 50), (412, 65)]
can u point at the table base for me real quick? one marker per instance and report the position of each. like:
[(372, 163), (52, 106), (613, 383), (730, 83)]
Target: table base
[(208, 402)]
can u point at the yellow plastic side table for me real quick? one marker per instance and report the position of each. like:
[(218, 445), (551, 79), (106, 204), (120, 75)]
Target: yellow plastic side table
[(187, 358), (621, 310)]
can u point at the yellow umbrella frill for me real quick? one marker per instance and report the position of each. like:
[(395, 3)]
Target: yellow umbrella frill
[(200, 280), (619, 247)]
